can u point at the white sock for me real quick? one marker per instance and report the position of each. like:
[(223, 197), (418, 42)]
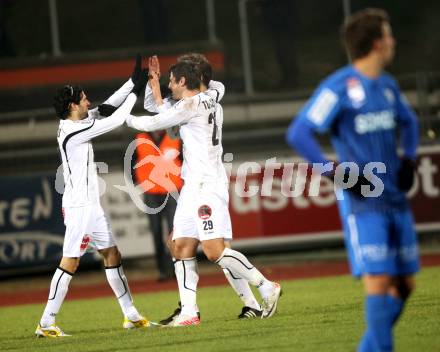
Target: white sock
[(266, 288), (118, 282), (58, 289), (243, 290), (239, 266), (187, 278)]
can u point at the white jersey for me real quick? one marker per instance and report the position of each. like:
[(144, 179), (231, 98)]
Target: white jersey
[(74, 141), (216, 90), (200, 119)]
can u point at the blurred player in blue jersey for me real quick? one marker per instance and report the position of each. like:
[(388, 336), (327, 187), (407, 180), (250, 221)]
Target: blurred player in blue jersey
[(363, 110)]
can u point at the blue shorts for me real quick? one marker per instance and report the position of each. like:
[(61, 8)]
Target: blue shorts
[(381, 243)]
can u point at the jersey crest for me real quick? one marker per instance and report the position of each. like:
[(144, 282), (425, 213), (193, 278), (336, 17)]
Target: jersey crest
[(355, 92), (205, 212)]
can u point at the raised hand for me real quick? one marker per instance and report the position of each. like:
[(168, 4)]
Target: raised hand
[(153, 66), (141, 82)]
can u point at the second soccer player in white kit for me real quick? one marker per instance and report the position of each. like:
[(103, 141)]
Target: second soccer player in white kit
[(202, 211)]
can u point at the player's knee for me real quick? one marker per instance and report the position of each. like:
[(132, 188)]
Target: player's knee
[(72, 268), (377, 284), (111, 256), (212, 254), (178, 250), (184, 248), (69, 264), (212, 257), (113, 252)]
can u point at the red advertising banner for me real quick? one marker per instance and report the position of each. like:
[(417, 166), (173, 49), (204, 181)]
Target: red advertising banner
[(262, 206)]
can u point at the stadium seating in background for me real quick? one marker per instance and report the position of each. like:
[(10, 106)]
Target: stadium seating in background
[(29, 84)]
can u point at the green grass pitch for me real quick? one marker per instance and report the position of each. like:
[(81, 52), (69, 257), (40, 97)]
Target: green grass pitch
[(313, 315)]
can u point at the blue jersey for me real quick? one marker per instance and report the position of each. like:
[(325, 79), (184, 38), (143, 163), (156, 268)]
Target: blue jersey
[(363, 116)]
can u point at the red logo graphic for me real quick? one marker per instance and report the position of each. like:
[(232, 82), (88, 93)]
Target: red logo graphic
[(84, 243), (353, 82), (205, 212)]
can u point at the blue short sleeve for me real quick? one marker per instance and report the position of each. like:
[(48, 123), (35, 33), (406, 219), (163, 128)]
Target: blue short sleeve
[(322, 108)]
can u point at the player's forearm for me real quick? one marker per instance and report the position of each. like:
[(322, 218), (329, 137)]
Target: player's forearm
[(168, 118), (155, 89), (410, 138), (159, 101), (121, 94), (149, 123), (300, 137), (409, 129), (113, 121)]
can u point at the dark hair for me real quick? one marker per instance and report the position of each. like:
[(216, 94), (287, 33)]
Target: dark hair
[(64, 97), (189, 71), (201, 63), (361, 29)]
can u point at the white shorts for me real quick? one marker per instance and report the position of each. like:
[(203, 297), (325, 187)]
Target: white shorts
[(203, 213), (86, 228)]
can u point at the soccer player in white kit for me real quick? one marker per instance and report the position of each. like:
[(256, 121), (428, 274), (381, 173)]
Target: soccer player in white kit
[(86, 223), (216, 91), (202, 209)]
